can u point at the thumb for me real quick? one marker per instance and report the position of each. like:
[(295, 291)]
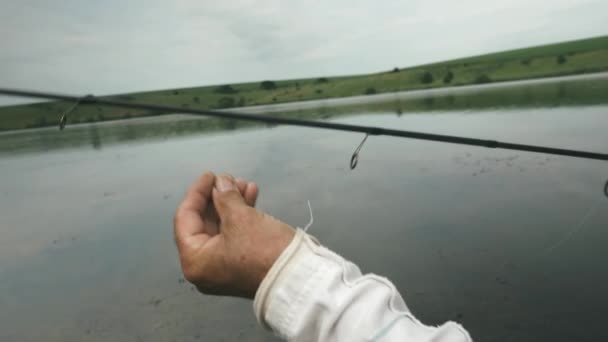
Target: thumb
[(226, 197)]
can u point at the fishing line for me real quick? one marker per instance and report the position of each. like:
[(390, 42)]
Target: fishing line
[(537, 257), (577, 228), (312, 219), (368, 130)]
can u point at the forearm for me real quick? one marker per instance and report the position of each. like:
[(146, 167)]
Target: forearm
[(313, 294)]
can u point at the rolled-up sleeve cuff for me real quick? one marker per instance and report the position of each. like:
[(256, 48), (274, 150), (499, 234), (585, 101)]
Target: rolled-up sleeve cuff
[(289, 281), (312, 293)]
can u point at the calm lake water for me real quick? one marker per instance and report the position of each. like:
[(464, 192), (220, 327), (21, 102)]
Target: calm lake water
[(510, 244)]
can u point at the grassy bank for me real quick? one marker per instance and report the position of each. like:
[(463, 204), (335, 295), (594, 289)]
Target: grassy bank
[(575, 57), (531, 95)]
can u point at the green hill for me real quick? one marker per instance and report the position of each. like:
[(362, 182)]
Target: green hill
[(567, 58), (565, 48)]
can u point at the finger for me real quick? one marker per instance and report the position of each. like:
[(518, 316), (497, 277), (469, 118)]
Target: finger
[(241, 184), (248, 190), (188, 221), (226, 196), (251, 194)]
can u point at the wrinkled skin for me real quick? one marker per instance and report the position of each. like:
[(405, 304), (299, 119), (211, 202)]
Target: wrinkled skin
[(225, 245)]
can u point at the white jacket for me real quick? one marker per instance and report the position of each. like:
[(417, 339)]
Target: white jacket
[(313, 294)]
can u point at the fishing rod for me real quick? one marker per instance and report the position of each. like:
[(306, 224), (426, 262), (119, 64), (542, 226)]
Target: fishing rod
[(368, 130)]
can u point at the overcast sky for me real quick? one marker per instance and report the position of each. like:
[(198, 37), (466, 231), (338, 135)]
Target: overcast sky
[(114, 46)]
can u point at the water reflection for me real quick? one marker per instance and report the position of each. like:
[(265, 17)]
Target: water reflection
[(95, 138), (86, 251), (518, 95)]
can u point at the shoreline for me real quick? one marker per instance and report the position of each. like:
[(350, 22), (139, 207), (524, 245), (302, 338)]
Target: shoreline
[(311, 104)]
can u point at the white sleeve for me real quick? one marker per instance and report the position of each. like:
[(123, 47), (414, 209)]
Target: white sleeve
[(313, 294)]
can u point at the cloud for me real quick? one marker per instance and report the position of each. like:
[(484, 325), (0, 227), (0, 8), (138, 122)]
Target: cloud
[(115, 46)]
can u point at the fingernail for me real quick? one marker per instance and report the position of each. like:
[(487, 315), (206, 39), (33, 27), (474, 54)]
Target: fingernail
[(224, 184)]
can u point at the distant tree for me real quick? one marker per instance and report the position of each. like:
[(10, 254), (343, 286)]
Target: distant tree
[(225, 102), (297, 86), (561, 59), (370, 91), (426, 77), (322, 80), (319, 91), (175, 92), (483, 79), (448, 77), (225, 89), (196, 99), (395, 69), (526, 61), (268, 85)]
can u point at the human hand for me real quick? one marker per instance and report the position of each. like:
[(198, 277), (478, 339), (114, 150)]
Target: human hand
[(226, 246)]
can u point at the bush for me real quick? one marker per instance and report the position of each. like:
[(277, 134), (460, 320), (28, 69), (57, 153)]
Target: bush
[(268, 85), (370, 91), (225, 89), (175, 92), (297, 86), (426, 77), (322, 80), (561, 59), (448, 77), (483, 79), (225, 102), (319, 91), (241, 101), (526, 61)]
